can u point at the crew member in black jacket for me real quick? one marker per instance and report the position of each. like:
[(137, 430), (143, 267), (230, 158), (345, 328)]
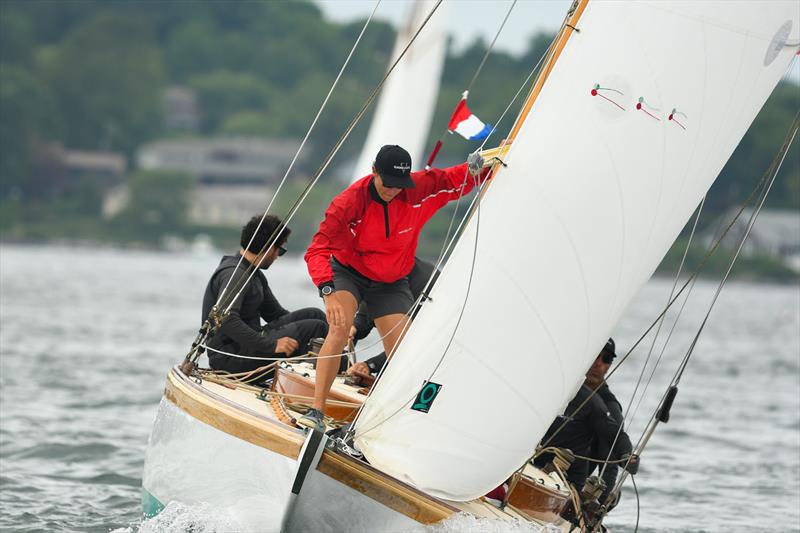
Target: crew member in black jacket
[(241, 333), (592, 430)]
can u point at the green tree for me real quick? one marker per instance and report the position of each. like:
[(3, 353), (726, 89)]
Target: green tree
[(109, 80), (159, 204), (757, 150), (28, 115), (223, 93)]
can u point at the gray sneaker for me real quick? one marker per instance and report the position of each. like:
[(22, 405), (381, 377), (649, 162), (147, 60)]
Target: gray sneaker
[(313, 420)]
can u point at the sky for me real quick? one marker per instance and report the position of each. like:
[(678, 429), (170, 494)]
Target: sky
[(467, 19), (470, 18)]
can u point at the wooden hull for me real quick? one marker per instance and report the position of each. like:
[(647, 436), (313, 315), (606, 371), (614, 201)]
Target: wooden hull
[(224, 449)]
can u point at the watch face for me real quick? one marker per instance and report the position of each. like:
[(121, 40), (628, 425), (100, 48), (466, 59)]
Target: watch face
[(327, 290)]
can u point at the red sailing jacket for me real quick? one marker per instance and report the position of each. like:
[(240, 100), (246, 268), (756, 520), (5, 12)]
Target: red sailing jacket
[(377, 239)]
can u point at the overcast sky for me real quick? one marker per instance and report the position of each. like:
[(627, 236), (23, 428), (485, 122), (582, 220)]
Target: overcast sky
[(466, 18)]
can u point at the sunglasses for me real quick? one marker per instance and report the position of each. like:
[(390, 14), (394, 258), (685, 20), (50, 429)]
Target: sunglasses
[(281, 251)]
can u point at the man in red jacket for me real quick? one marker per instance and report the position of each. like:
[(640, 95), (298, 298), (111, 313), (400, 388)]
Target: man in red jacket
[(364, 250)]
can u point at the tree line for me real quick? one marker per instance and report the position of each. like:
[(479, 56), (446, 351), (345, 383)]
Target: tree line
[(91, 74)]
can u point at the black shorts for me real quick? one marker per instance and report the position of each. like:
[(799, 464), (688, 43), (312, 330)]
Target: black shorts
[(381, 298)]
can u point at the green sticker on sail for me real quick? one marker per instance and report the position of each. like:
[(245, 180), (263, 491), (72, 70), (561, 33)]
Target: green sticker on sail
[(426, 396)]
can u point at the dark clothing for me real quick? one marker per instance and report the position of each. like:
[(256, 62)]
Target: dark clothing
[(241, 333), (589, 433), (381, 299), (417, 280)]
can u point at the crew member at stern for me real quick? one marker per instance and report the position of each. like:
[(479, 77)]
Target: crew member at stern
[(364, 251)]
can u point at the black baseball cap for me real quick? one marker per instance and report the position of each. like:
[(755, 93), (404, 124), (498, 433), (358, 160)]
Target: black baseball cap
[(393, 164), (608, 352)]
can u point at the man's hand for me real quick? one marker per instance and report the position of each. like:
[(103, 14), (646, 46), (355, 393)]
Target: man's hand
[(632, 466), (359, 368), (286, 345), (475, 163), (334, 310)]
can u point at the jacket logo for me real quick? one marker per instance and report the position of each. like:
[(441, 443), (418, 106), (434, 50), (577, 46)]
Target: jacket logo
[(404, 230)]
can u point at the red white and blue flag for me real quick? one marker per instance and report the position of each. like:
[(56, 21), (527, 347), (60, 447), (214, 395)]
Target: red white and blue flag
[(466, 124)]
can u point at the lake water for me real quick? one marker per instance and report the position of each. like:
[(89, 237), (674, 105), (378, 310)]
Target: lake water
[(87, 337)]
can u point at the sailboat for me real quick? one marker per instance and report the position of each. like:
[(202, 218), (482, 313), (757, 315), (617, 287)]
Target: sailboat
[(634, 113)]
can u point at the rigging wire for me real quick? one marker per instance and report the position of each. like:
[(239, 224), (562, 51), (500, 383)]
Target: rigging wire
[(491, 46), (638, 503), (293, 209), (675, 322), (625, 418), (318, 174), (300, 148), (474, 207), (764, 185), (752, 221), (764, 179)]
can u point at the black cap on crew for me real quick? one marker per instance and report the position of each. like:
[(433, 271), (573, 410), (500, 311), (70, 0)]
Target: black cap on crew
[(609, 350), (393, 164)]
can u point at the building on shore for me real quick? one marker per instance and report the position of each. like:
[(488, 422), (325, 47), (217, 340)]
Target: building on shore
[(235, 177), (775, 234)]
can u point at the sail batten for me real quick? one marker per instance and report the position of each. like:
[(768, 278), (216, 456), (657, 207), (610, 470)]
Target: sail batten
[(639, 114)]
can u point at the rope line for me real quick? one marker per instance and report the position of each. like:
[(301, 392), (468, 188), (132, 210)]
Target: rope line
[(296, 155), (306, 191), (625, 418), (694, 275), (474, 207)]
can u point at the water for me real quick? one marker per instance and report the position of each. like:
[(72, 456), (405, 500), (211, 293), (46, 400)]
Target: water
[(87, 336)]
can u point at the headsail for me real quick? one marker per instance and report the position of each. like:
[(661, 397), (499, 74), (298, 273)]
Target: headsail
[(638, 116), (405, 110)]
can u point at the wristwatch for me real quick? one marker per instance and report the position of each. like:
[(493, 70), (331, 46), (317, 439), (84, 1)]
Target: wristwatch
[(326, 290)]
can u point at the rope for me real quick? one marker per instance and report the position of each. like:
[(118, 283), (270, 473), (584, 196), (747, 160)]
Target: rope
[(446, 249), (711, 251), (491, 46), (638, 505), (295, 358), (652, 345), (765, 183), (297, 154), (306, 191)]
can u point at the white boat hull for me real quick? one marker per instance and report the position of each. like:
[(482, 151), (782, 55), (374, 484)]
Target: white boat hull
[(193, 463)]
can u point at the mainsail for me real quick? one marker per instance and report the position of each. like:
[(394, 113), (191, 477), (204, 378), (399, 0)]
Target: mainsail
[(405, 110), (642, 109)]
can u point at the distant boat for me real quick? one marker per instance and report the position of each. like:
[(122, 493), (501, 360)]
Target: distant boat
[(408, 99), (635, 112)]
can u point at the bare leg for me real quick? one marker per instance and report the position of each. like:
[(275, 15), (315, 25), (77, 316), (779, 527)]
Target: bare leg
[(392, 328), (339, 319)]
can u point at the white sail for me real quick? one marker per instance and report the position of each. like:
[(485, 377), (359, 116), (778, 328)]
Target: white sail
[(408, 99), (595, 192)]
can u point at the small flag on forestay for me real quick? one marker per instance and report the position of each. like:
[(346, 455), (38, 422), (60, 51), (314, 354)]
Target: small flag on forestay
[(466, 124)]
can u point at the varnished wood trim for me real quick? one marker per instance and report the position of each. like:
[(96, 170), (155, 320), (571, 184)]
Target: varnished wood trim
[(231, 418), (388, 491), (567, 30), (293, 383)]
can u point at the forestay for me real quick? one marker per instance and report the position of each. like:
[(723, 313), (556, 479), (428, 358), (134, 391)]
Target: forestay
[(640, 113), (408, 99)]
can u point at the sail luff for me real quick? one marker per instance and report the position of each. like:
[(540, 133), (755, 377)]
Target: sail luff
[(567, 29)]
